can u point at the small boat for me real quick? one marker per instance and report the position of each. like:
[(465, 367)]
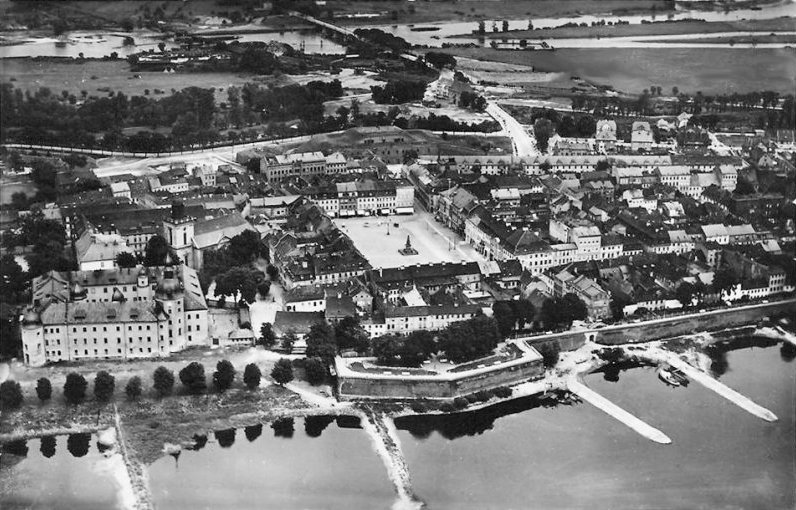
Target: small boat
[(672, 376), (424, 29)]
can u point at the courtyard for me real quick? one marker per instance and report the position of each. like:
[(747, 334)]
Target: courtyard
[(379, 239)]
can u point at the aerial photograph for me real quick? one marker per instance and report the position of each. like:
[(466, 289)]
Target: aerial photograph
[(398, 254)]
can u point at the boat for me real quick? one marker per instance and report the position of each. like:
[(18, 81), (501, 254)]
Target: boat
[(424, 29), (672, 376)]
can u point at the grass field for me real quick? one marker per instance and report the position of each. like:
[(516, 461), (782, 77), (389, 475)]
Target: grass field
[(713, 70), (28, 74), (434, 242), (462, 10)]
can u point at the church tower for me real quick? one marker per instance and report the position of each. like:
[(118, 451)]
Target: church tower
[(170, 299), (178, 231)]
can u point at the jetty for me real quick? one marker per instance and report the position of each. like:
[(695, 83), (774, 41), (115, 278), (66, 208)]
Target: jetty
[(712, 384), (608, 407), (384, 436)]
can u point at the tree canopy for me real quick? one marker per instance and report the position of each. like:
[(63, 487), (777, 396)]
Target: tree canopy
[(282, 372), (470, 339)]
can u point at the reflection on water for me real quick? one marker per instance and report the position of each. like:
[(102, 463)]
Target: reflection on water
[(474, 423), (40, 473), (324, 466)]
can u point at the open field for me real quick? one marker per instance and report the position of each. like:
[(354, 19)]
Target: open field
[(13, 184), (712, 70), (462, 10), (662, 28), (433, 242), (28, 74)]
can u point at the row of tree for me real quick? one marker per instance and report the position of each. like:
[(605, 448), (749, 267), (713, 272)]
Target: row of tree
[(192, 377)]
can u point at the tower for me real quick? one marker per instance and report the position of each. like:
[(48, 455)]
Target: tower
[(33, 338), (178, 231), (170, 298)]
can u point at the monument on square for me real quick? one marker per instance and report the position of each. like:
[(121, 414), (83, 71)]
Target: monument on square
[(408, 249)]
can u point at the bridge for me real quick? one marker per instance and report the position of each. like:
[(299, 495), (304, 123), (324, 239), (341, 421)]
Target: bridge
[(346, 34)]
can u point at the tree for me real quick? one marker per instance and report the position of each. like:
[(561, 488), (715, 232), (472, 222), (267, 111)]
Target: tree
[(724, 280), (10, 395), (440, 60), (133, 389), (549, 351), (126, 259), (349, 334), (224, 375), (685, 294), (470, 339), (252, 432), (289, 339), (263, 288), (193, 378), (321, 341), (524, 311), (573, 308), (542, 130), (505, 317), (282, 372), (75, 388), (252, 376), (267, 335), (156, 250), (163, 379), (104, 384), (505, 26), (315, 370), (481, 27), (44, 389), (12, 279)]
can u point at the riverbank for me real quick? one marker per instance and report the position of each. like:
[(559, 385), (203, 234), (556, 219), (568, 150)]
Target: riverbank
[(464, 10), (664, 27)]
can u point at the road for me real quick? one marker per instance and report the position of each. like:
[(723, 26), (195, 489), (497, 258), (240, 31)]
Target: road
[(523, 143)]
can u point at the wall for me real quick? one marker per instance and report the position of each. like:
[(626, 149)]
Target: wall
[(352, 387)]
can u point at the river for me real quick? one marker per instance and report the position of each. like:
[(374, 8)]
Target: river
[(101, 44), (61, 473), (576, 457), (447, 29), (306, 466), (517, 455)]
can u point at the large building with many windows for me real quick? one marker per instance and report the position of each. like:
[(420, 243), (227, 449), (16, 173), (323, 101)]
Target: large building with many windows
[(140, 312)]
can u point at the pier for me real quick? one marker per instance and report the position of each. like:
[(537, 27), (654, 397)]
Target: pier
[(385, 441), (722, 389), (608, 407)]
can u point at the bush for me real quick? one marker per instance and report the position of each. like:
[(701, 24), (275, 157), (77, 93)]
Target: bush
[(460, 402), (282, 372), (471, 398), (418, 407), (164, 381), (224, 375), (447, 407), (193, 378), (10, 395), (483, 395), (315, 371), (44, 390), (133, 389), (104, 384), (502, 392), (75, 388), (252, 376)]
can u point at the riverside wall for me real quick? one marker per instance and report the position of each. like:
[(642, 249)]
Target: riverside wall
[(668, 327), (365, 386)]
